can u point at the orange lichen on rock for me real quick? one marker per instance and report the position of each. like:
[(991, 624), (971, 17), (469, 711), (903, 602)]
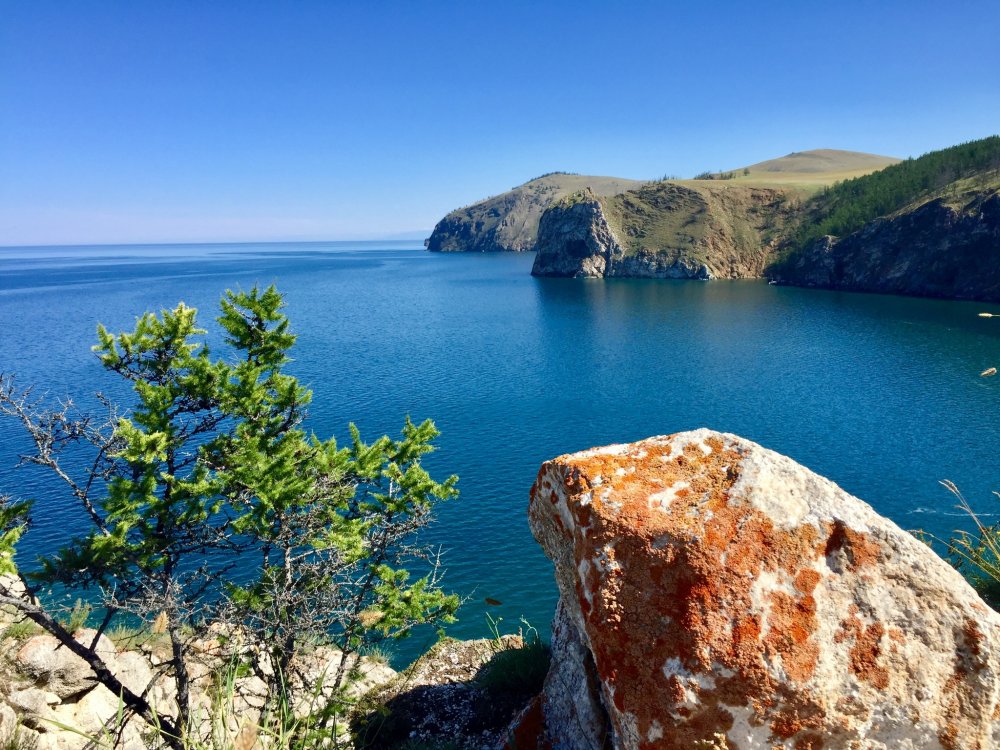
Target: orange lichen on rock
[(860, 551), (637, 513), (528, 729), (865, 654), (721, 588)]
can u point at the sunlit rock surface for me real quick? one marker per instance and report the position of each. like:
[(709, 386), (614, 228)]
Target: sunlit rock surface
[(713, 591)]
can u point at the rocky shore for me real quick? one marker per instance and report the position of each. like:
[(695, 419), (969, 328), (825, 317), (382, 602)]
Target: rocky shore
[(943, 248), (713, 594)]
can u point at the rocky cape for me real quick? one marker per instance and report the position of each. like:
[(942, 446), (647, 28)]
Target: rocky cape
[(946, 247), (509, 222), (940, 241), (665, 230)]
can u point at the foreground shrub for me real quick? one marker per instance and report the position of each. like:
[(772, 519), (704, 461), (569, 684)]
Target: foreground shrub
[(213, 513)]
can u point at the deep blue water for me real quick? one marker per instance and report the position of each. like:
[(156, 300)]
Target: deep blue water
[(880, 394)]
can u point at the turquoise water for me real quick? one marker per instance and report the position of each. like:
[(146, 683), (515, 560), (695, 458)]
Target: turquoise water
[(880, 394)]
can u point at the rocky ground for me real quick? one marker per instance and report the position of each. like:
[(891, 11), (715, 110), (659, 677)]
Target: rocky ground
[(451, 697), (58, 704)]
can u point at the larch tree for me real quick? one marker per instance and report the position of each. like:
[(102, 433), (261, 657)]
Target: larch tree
[(211, 507)]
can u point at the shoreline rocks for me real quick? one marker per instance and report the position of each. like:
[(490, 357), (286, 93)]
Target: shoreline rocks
[(935, 250), (664, 231), (44, 688)]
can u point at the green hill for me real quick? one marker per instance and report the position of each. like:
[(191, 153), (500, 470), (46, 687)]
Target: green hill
[(928, 226), (849, 205)]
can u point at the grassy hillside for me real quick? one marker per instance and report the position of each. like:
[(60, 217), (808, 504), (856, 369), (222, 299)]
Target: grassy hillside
[(734, 221), (847, 206), (808, 171), (509, 222), (823, 162)]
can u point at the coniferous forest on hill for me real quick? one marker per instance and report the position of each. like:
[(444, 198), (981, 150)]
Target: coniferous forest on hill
[(847, 206)]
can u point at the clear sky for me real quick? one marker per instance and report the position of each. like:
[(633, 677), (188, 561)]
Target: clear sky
[(151, 121)]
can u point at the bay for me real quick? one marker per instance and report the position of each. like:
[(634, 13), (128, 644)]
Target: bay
[(880, 394)]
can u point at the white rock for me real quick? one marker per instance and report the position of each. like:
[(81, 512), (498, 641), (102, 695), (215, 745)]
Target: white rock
[(56, 668)]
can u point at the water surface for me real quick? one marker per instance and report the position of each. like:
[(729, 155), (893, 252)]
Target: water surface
[(880, 394)]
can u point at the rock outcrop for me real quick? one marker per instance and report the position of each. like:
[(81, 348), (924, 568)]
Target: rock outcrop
[(444, 700), (509, 222), (938, 249), (716, 594), (664, 230)]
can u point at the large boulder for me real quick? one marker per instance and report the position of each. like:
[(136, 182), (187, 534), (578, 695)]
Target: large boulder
[(709, 586)]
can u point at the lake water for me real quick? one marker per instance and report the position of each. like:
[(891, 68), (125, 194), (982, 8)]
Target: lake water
[(880, 394)]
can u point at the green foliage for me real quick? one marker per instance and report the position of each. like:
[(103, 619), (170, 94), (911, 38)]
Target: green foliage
[(849, 205), (13, 523), (77, 617), (516, 671), (977, 553), (20, 630), (213, 462)]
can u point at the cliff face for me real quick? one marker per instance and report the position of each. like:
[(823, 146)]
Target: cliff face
[(942, 248), (716, 594), (502, 224), (664, 230), (509, 222)]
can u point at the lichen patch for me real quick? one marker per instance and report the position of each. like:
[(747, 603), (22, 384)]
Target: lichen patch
[(721, 588)]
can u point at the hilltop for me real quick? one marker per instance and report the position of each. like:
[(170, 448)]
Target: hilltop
[(509, 221), (823, 166), (926, 226)]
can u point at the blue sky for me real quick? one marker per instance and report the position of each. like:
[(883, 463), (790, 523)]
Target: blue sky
[(229, 121)]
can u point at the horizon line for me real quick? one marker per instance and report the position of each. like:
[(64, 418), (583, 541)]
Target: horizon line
[(162, 243)]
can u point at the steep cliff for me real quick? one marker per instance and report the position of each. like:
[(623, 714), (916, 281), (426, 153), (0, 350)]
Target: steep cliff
[(666, 230), (509, 222), (948, 246)]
